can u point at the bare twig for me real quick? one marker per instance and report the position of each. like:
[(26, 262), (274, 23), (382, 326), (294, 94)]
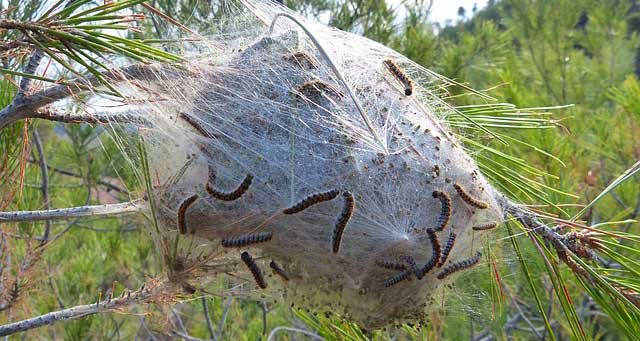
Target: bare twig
[(30, 68), (207, 318), (106, 184), (275, 331), (225, 311), (74, 212), (107, 305), (45, 182)]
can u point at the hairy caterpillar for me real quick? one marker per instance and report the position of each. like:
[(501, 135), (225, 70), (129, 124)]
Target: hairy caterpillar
[(390, 265), (301, 58), (280, 271), (412, 265), (455, 267), (343, 220), (400, 75), (397, 278), (468, 199), (317, 85), (196, 125), (448, 245), (485, 226), (254, 268), (182, 210), (445, 211), (311, 200), (435, 256), (233, 195), (247, 239)]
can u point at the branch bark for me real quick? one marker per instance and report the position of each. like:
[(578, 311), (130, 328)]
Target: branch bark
[(107, 305), (74, 212), (27, 106)]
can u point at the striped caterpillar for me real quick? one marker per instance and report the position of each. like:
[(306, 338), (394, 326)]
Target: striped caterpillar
[(247, 239), (448, 245), (182, 210), (397, 278), (485, 226), (343, 220), (435, 256), (254, 268), (455, 267), (390, 265), (233, 195), (196, 125), (302, 58), (278, 270), (318, 86), (468, 199), (311, 200), (400, 75), (445, 211), (412, 265)]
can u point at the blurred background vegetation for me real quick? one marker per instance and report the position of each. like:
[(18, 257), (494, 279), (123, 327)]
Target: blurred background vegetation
[(532, 53)]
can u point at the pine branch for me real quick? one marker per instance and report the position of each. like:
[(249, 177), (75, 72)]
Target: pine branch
[(145, 294), (74, 212)]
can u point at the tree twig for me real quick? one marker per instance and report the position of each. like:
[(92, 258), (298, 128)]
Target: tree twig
[(207, 318), (45, 182), (73, 212), (104, 306), (106, 184), (275, 331)]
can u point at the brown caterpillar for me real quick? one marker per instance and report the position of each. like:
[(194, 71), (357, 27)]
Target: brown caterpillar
[(343, 220), (302, 58), (247, 239), (233, 195), (448, 245), (278, 270), (182, 210), (455, 267), (317, 86), (311, 200), (397, 278), (254, 268), (468, 199), (196, 125), (400, 75), (445, 210), (486, 226), (390, 265)]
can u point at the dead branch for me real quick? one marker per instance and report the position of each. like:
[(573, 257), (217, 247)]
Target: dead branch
[(74, 212)]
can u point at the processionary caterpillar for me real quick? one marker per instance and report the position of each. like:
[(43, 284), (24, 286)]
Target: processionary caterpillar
[(278, 270), (247, 239), (390, 265), (485, 226), (397, 278), (311, 200), (302, 58), (233, 195), (182, 210), (455, 267), (400, 75), (343, 220), (318, 86), (254, 268), (468, 199), (448, 245), (445, 210)]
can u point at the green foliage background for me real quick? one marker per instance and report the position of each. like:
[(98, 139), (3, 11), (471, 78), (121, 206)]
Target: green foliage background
[(529, 53)]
